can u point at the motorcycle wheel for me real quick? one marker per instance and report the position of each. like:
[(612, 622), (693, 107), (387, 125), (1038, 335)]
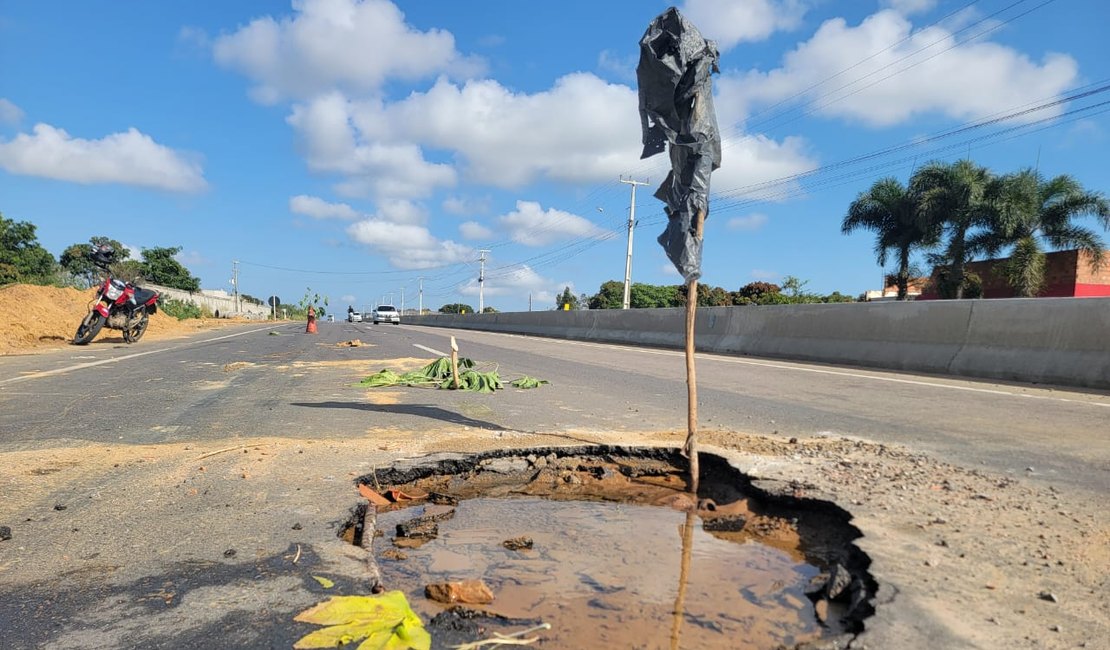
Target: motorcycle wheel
[(136, 328), (89, 328)]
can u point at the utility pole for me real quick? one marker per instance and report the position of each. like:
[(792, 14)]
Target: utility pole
[(627, 302), (402, 300), (482, 281), (235, 285), (421, 313), (529, 301)]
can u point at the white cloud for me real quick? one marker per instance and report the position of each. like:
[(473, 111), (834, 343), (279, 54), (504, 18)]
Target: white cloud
[(371, 168), (748, 223), (191, 258), (971, 80), (909, 7), (748, 162), (408, 246), (348, 298), (473, 230), (130, 158), (131, 252), (531, 225), (730, 22), (193, 40), (764, 275), (581, 130), (466, 206), (621, 67), (355, 45), (317, 208), (9, 112), (401, 211), (514, 280), (492, 40)]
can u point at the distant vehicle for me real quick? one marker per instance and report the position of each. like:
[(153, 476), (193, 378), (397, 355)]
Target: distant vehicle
[(388, 314), (354, 317), (331, 318)]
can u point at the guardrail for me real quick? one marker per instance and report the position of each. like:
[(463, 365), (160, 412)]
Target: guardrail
[(1063, 341)]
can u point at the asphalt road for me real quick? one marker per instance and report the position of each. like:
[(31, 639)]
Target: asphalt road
[(247, 381), (186, 493)]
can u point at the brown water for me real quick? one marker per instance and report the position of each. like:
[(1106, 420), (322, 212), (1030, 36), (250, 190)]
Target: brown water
[(607, 575)]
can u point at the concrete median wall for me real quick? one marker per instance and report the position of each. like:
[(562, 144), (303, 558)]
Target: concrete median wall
[(225, 305), (1043, 340)]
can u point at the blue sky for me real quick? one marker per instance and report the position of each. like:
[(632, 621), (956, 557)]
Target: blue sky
[(355, 147)]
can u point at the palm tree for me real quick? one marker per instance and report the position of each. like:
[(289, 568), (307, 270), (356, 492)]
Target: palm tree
[(1033, 210), (893, 213), (958, 197)]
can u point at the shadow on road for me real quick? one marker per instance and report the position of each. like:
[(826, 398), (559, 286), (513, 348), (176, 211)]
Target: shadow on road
[(419, 410)]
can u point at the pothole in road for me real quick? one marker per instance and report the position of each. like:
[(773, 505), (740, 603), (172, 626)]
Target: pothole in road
[(604, 544)]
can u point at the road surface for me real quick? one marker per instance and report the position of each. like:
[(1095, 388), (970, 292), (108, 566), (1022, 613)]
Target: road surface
[(185, 493), (252, 382)]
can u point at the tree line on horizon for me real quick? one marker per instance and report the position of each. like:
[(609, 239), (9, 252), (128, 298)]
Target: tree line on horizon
[(647, 296), (957, 212)]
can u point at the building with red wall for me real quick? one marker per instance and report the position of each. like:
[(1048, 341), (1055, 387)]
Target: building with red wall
[(1067, 274)]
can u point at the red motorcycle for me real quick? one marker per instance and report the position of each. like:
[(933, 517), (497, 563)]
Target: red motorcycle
[(119, 305)]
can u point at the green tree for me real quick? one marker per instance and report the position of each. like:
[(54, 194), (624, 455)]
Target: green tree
[(758, 293), (456, 308), (1034, 212), (707, 296), (960, 198), (22, 258), (490, 310), (318, 303), (794, 289), (76, 262), (894, 214), (160, 267), (609, 296), (568, 298), (128, 271), (649, 296)]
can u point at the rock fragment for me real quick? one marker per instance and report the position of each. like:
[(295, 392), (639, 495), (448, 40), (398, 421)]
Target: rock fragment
[(470, 592), (518, 543)]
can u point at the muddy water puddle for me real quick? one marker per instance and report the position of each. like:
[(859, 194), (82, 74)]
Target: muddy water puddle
[(605, 544), (607, 575)]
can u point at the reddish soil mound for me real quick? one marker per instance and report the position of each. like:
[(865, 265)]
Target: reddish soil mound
[(40, 317)]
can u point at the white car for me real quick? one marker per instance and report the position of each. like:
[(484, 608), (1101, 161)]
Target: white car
[(354, 317), (387, 314)]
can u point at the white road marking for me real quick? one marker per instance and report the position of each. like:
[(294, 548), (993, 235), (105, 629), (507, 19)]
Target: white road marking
[(90, 364), (801, 368), (428, 349)]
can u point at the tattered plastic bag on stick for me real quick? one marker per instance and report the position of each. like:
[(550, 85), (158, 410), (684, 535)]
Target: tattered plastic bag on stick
[(676, 107)]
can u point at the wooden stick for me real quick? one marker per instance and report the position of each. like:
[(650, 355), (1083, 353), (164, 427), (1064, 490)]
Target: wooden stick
[(226, 449), (455, 362), (683, 577), (691, 447)]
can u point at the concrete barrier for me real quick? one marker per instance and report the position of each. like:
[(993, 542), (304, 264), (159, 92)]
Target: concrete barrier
[(213, 303), (1042, 340)]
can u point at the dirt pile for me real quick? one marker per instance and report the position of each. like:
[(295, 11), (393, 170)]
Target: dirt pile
[(38, 317)]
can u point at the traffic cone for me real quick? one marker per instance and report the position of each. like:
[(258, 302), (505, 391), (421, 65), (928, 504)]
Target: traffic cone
[(311, 329)]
